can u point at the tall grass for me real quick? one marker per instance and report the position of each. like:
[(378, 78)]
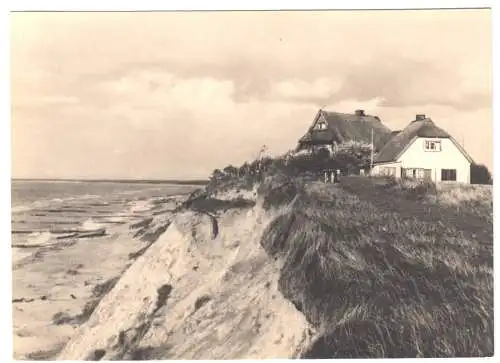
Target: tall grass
[(378, 283)]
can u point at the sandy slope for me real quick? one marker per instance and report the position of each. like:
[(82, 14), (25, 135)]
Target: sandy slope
[(194, 295)]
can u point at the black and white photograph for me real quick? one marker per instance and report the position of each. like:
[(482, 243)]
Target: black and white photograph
[(251, 184)]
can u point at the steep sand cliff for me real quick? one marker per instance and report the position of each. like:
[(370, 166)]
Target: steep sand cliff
[(206, 289), (362, 269)]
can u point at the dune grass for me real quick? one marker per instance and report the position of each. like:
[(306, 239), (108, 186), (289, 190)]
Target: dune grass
[(382, 274)]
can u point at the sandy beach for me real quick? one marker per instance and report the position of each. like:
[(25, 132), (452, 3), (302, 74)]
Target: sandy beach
[(56, 279)]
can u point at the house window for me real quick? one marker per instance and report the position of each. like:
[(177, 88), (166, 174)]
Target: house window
[(417, 173), (389, 171), (432, 145), (448, 174), (320, 126)]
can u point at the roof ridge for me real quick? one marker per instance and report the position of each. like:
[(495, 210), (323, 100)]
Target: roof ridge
[(350, 114)]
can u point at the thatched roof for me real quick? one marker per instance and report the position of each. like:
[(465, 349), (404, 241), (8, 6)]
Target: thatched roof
[(423, 127), (344, 127)]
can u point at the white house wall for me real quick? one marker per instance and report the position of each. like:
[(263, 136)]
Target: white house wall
[(450, 157)]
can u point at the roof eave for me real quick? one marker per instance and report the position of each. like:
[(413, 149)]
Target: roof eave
[(462, 150)]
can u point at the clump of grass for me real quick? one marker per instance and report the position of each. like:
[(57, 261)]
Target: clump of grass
[(96, 355), (148, 353), (418, 189), (62, 318), (377, 283), (278, 190), (202, 300), (152, 232), (138, 253), (142, 224), (102, 289), (98, 292), (410, 189), (465, 195), (212, 205), (163, 295)]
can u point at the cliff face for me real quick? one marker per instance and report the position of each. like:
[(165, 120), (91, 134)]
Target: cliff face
[(206, 289), (362, 269)]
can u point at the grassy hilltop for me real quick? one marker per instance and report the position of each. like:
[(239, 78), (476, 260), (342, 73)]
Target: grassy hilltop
[(267, 261), (382, 268)]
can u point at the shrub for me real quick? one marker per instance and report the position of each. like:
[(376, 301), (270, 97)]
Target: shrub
[(349, 157), (480, 174)]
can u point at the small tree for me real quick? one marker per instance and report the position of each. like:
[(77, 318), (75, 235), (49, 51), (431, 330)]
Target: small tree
[(244, 169), (217, 174), (230, 170)]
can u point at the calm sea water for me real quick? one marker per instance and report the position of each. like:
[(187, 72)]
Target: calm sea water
[(44, 210)]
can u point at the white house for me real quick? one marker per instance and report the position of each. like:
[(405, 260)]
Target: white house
[(424, 151)]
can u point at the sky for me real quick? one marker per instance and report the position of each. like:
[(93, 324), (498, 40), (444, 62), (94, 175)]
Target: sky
[(161, 95)]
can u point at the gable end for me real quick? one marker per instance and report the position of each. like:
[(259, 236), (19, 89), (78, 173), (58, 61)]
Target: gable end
[(454, 142)]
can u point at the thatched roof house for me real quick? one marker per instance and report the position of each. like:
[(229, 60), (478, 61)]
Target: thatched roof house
[(329, 128), (424, 151), (421, 127)]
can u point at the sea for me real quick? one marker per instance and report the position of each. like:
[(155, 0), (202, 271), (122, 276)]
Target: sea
[(45, 213)]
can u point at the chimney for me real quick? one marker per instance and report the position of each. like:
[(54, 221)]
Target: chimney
[(359, 112), (420, 117)]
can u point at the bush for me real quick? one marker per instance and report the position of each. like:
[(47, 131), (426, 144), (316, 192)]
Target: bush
[(349, 157), (479, 174)]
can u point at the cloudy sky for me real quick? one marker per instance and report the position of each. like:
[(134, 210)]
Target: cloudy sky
[(175, 95)]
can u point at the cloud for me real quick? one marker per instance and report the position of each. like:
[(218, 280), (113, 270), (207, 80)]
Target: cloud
[(399, 81), (404, 82), (178, 94)]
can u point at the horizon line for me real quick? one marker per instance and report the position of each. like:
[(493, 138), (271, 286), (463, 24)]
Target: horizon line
[(114, 179)]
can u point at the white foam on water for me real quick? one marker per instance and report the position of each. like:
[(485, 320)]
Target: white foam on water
[(21, 208), (140, 206), (91, 225), (38, 238), (117, 218), (39, 204), (58, 200)]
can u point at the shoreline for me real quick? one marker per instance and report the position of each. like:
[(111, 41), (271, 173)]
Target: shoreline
[(239, 272), (194, 182), (57, 280)]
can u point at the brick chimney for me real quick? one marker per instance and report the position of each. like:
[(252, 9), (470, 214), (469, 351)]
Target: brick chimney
[(359, 112), (420, 117)]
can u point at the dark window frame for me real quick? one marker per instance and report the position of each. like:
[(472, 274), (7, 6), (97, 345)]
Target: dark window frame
[(448, 174), (432, 145)]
